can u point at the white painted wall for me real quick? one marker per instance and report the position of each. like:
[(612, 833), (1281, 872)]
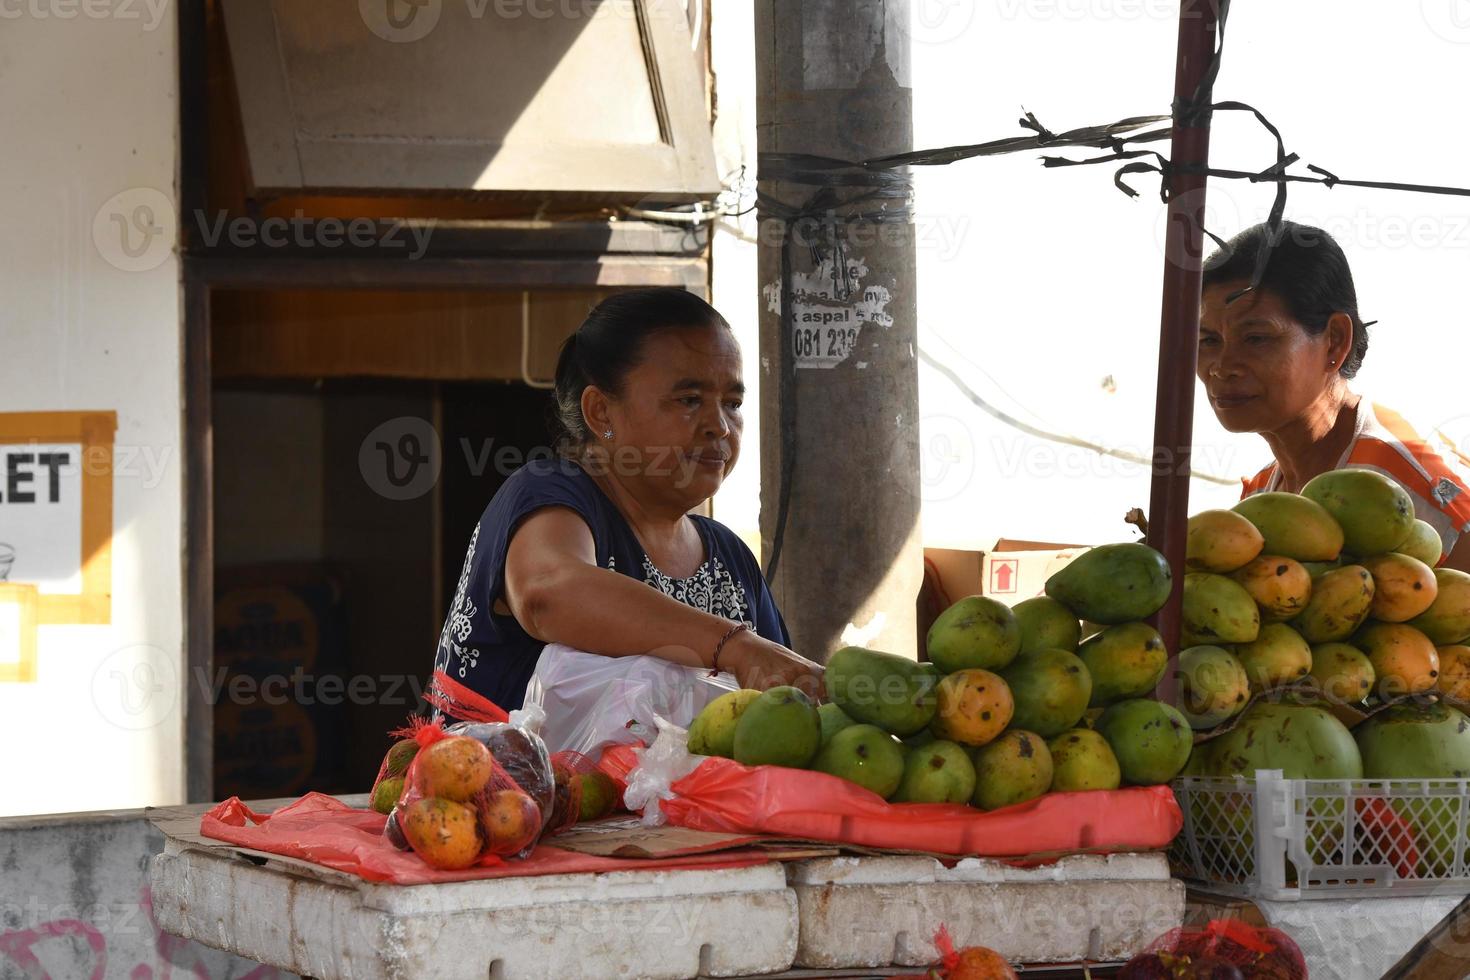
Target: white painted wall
[(88, 106)]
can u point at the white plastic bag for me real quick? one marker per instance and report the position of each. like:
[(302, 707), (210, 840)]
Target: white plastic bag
[(660, 765), (592, 701)]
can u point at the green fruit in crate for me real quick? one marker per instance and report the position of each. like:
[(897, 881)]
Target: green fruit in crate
[(1151, 740), (834, 720), (713, 731), (1221, 541), (1213, 687), (1012, 769), (1279, 656), (1124, 661), (866, 755), (399, 756), (975, 632), (1424, 543), (1340, 603), (1293, 526), (1432, 741), (1448, 620), (1303, 742), (386, 794), (1342, 672), (1046, 624), (895, 693), (1217, 610), (1374, 512), (1113, 583), (781, 727), (940, 772), (1081, 760), (1050, 688)]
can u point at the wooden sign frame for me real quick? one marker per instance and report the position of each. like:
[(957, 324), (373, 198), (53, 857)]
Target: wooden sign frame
[(94, 431)]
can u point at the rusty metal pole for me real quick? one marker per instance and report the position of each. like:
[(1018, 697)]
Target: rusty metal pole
[(1179, 327)]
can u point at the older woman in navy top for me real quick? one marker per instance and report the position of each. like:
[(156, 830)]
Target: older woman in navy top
[(597, 549)]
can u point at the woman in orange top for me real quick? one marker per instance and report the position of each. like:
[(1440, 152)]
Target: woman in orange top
[(1277, 360)]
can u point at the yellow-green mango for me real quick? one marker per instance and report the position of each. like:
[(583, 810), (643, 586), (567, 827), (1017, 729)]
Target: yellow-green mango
[(1217, 610), (1151, 740), (1447, 621), (1374, 512), (895, 693), (978, 632), (713, 731), (1113, 583), (834, 720), (1213, 687), (1277, 657), (1046, 624), (1340, 603), (1082, 759), (1424, 543), (1342, 672), (1220, 541), (1293, 526), (1012, 769), (1124, 661)]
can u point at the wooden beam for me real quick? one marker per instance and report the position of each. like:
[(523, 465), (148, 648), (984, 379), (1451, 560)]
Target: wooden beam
[(290, 272), (198, 535)]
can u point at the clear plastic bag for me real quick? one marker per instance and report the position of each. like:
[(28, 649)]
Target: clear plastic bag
[(660, 765), (517, 747), (592, 701)]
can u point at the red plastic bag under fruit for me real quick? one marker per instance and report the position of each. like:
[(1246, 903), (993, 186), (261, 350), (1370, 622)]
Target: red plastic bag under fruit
[(1225, 949)]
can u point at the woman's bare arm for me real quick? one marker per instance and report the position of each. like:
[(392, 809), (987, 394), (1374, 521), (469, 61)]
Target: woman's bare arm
[(558, 594)]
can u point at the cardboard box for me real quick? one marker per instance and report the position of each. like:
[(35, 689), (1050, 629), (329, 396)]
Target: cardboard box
[(1011, 571)]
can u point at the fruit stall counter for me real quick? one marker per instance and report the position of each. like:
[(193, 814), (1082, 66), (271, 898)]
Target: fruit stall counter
[(840, 913)]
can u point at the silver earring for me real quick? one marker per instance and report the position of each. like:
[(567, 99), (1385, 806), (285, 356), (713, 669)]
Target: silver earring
[(607, 433)]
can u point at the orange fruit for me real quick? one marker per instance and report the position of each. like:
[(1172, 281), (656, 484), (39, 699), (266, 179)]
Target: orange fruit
[(1404, 660), (974, 706), (455, 768)]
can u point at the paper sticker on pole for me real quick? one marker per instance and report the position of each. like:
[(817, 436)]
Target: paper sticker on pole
[(830, 307)]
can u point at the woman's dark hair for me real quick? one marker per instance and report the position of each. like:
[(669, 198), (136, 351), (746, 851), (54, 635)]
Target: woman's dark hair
[(609, 344), (1307, 270)]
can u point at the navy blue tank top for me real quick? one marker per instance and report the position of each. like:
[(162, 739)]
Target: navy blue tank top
[(492, 655)]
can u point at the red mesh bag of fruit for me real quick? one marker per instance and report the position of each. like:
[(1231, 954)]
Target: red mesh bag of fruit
[(1225, 949), (970, 963), (480, 786), (583, 791)]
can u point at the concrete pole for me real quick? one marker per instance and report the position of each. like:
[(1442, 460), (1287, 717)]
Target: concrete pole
[(839, 384)]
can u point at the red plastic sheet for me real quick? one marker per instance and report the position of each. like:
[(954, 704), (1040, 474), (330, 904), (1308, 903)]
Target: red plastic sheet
[(727, 797), (326, 831)]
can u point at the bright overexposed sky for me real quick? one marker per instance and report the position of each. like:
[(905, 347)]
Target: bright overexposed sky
[(1041, 287)]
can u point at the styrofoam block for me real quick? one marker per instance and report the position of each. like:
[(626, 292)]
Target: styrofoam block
[(645, 924), (915, 869), (864, 912)]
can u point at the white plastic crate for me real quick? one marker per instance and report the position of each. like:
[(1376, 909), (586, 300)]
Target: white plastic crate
[(1288, 839)]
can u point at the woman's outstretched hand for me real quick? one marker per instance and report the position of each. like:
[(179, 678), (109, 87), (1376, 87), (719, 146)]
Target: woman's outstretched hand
[(760, 664)]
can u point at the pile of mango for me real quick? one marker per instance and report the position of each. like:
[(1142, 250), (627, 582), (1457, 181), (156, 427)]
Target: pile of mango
[(1332, 591), (996, 716)]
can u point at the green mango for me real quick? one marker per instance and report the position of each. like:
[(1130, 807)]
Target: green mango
[(781, 727), (975, 632), (883, 689), (1124, 661), (1447, 621), (1213, 686), (1051, 689), (834, 720), (1113, 583), (1375, 513), (865, 755), (940, 772), (1423, 543), (1151, 740), (1217, 610), (1340, 603), (1046, 624)]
